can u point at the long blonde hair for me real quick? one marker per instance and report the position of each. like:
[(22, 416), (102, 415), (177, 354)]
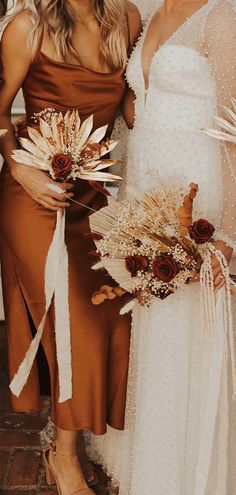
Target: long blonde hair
[(56, 18)]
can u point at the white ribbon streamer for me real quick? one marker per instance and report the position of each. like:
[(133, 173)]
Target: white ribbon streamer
[(56, 284), (220, 325), (213, 395)]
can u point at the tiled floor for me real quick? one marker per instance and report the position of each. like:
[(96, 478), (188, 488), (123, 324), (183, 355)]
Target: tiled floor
[(21, 469)]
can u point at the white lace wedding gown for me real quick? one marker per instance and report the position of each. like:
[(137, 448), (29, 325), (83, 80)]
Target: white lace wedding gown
[(180, 432)]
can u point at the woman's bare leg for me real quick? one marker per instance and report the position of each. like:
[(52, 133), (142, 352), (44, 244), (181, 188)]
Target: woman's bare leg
[(67, 466)]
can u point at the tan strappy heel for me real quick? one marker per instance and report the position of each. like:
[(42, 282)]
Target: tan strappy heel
[(51, 477)]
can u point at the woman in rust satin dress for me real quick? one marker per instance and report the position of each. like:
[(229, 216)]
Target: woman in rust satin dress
[(81, 73)]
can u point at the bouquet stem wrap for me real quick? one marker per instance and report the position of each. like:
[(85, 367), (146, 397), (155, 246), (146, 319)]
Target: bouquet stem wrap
[(56, 286)]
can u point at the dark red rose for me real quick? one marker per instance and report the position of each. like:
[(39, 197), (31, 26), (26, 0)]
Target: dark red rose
[(137, 263), (61, 165), (165, 268), (201, 231)]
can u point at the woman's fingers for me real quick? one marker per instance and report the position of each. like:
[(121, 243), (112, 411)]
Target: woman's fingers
[(64, 185), (217, 271), (219, 279), (59, 196), (54, 194), (46, 205), (219, 282), (55, 202)]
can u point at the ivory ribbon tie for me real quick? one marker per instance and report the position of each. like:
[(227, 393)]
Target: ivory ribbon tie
[(56, 285)]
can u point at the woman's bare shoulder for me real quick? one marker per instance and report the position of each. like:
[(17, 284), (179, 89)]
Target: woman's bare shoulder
[(19, 28), (135, 23)]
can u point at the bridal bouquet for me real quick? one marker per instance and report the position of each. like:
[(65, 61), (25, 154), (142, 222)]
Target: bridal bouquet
[(152, 246), (67, 148)]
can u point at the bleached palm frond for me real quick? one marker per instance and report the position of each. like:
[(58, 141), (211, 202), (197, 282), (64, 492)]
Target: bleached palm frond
[(21, 156), (3, 132), (39, 140), (31, 147), (97, 135), (100, 176), (85, 131), (227, 127)]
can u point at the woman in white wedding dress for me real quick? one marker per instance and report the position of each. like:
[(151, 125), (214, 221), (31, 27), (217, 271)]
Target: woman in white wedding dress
[(180, 436)]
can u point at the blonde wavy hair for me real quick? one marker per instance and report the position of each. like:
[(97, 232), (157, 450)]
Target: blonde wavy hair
[(56, 18)]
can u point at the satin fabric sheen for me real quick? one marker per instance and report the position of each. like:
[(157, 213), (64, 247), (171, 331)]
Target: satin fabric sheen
[(99, 336)]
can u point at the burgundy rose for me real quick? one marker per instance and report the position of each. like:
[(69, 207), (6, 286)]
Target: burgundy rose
[(201, 231), (165, 268), (61, 165), (137, 263)]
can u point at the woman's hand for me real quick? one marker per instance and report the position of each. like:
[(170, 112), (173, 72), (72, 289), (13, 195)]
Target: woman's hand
[(35, 182), (227, 251)]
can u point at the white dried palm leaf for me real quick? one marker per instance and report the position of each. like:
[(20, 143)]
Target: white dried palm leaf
[(84, 132), (107, 214), (38, 140), (45, 129), (99, 165), (117, 269), (221, 136), (100, 176), (227, 128), (3, 132), (108, 147), (233, 100), (31, 147), (230, 114), (97, 135), (21, 156), (225, 125)]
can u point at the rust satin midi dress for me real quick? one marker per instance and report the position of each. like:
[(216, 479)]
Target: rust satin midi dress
[(99, 336)]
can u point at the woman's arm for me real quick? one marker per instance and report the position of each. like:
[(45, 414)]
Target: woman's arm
[(135, 23), (220, 47), (128, 108), (135, 28), (16, 57)]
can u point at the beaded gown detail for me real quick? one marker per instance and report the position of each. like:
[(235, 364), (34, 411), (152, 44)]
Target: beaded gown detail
[(99, 337), (180, 421)]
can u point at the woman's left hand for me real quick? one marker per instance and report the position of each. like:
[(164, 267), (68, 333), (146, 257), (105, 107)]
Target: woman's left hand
[(227, 251)]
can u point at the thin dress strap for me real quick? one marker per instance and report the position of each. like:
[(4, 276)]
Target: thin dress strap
[(38, 51)]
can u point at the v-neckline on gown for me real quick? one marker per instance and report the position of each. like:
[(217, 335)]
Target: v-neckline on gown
[(169, 38)]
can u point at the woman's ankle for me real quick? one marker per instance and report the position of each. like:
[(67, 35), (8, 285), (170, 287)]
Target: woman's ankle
[(61, 450)]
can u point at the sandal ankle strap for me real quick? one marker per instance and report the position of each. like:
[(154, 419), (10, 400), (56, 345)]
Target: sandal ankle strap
[(54, 451)]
